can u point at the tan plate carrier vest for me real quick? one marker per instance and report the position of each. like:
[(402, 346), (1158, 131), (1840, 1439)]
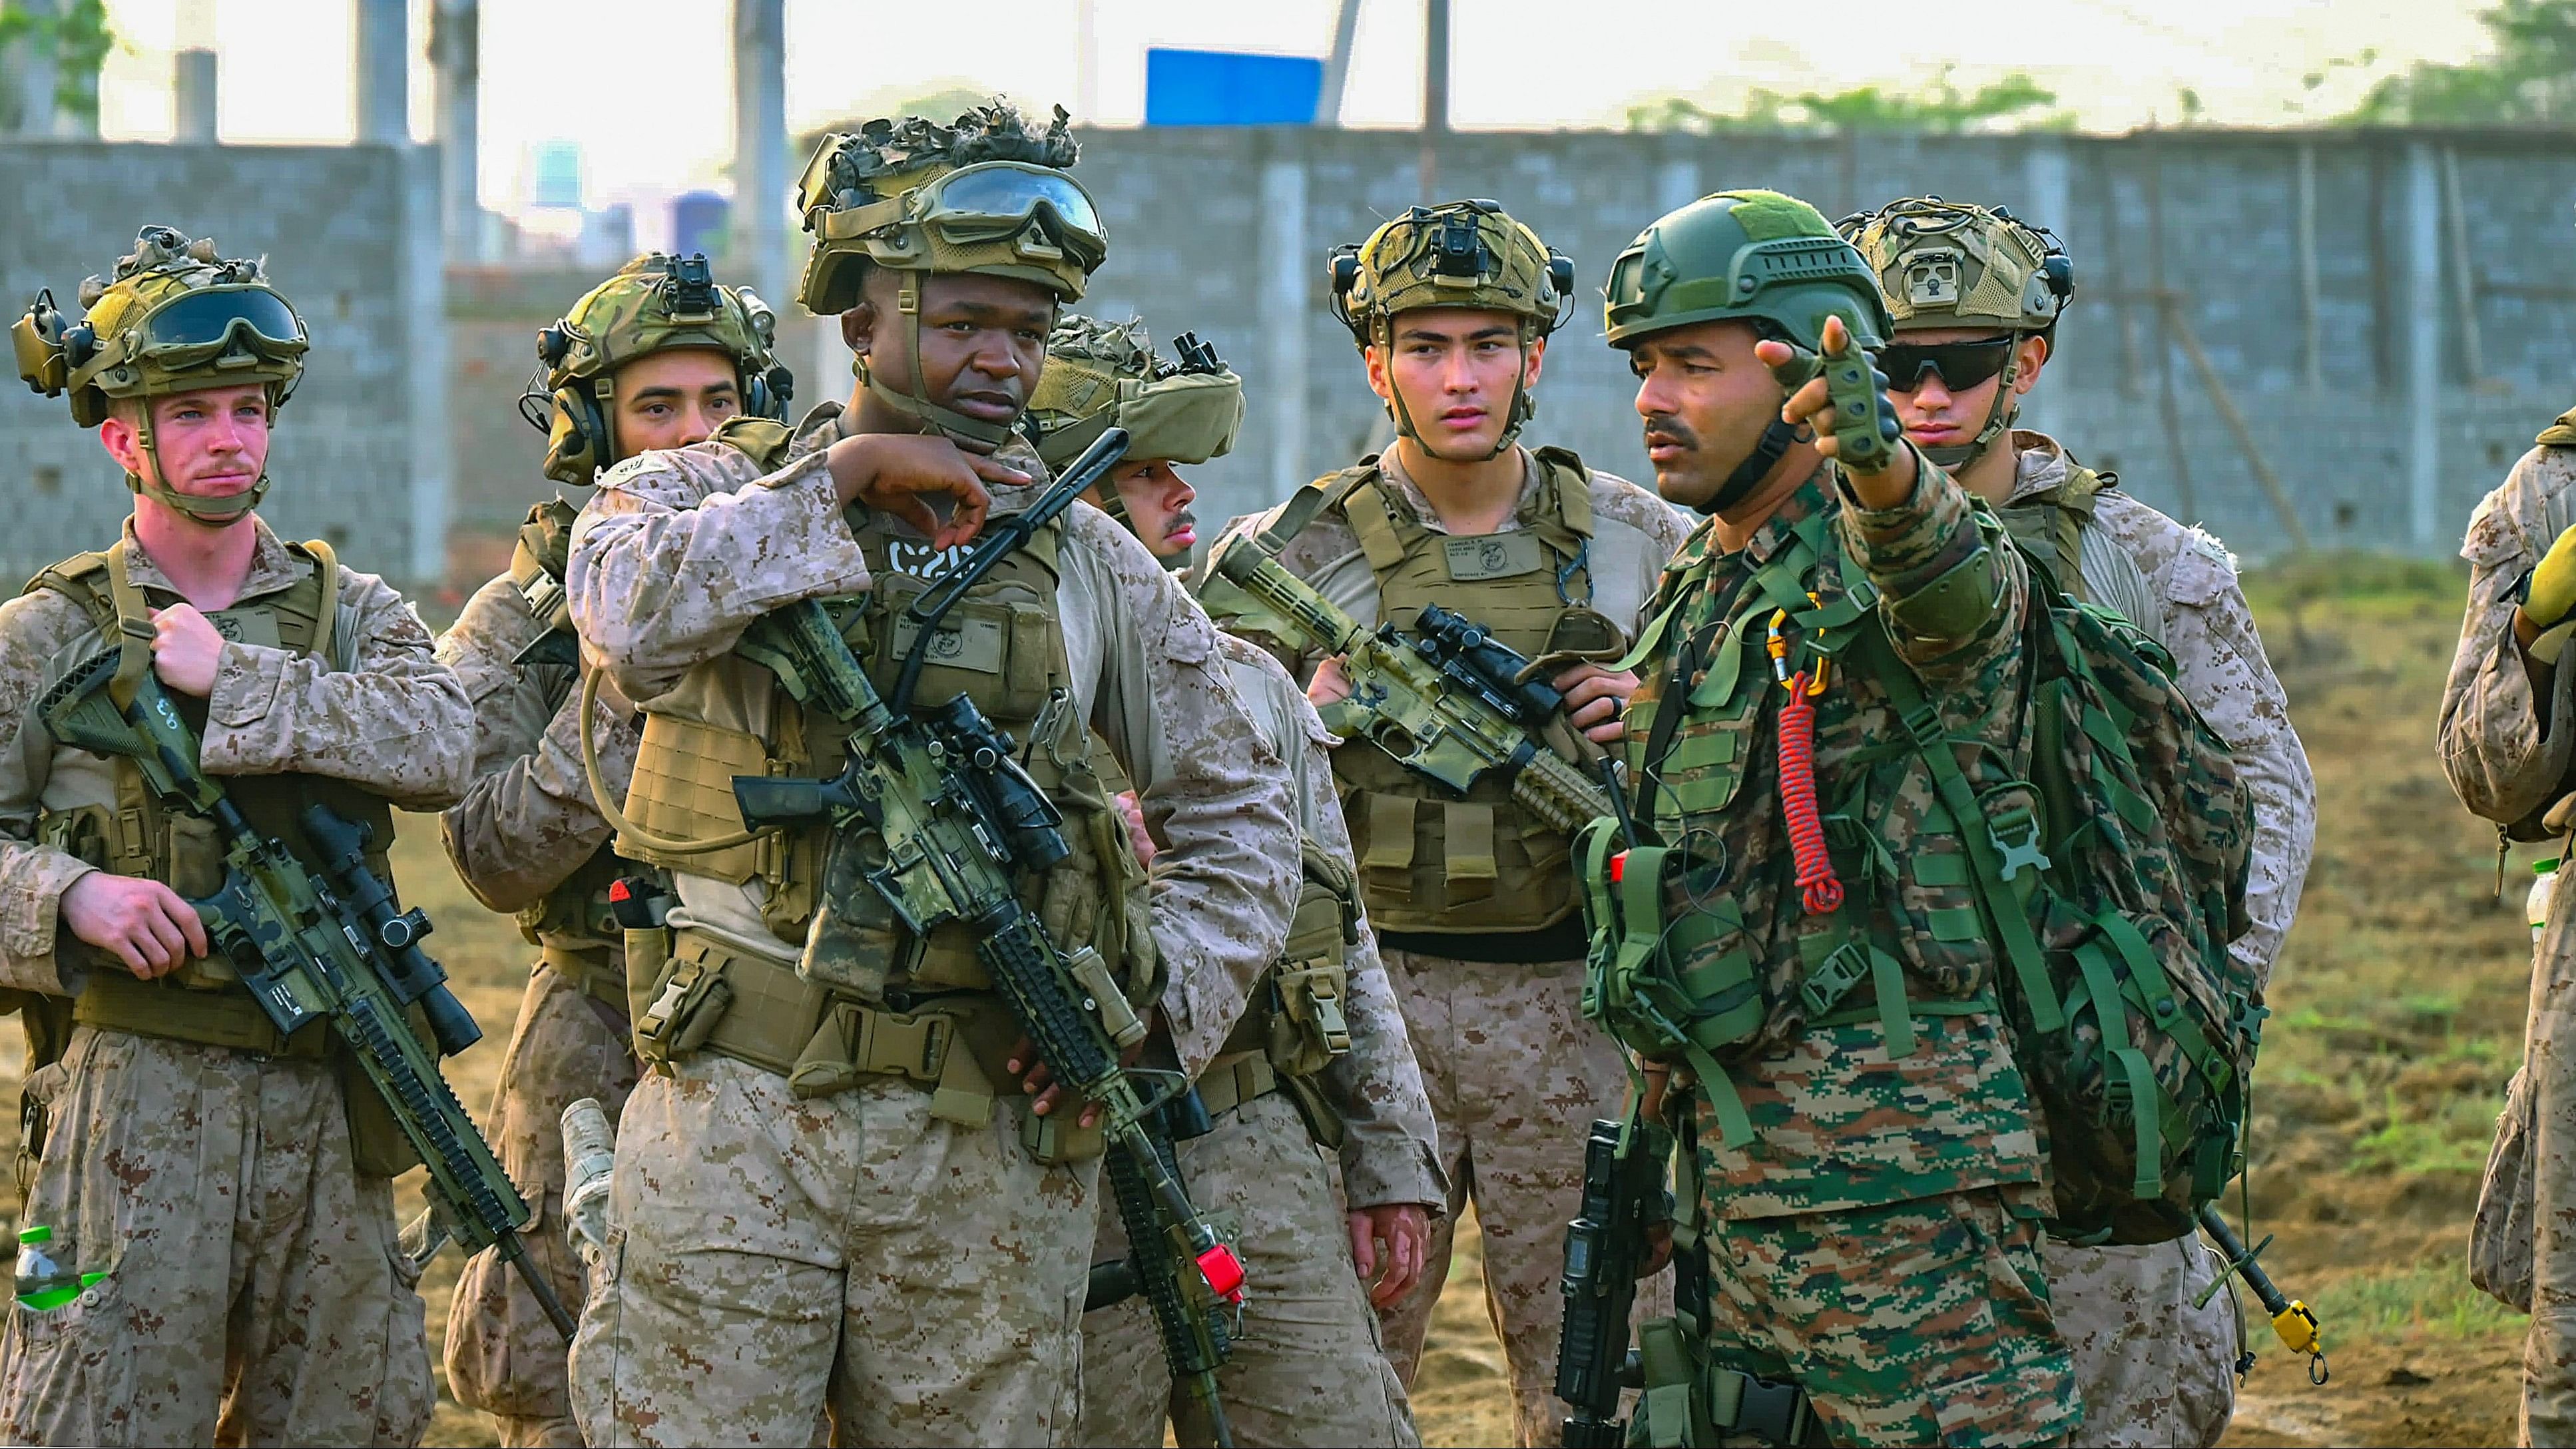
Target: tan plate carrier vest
[(130, 834), (907, 1009), (1429, 861), (571, 925)]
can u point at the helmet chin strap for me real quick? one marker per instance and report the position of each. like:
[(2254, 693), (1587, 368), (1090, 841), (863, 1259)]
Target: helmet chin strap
[(970, 433), (213, 512), (1954, 456), (1776, 440)]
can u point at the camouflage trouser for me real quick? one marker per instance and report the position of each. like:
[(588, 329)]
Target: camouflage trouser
[(1515, 1075), (255, 1291), (2152, 1369), (770, 1257), (1922, 1322), (1308, 1368), (503, 1355)]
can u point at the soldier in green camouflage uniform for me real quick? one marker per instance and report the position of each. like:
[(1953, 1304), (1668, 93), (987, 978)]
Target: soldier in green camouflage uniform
[(1862, 1175), (654, 357)]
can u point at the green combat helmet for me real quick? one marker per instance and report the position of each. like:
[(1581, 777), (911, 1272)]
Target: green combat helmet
[(1456, 254), (1101, 375), (173, 317), (1745, 256), (656, 303), (985, 194), (1945, 264)]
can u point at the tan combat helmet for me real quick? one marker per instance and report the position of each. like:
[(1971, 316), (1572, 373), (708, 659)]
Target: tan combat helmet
[(1947, 264), (1456, 254), (987, 193), (172, 317), (1101, 375), (656, 303)]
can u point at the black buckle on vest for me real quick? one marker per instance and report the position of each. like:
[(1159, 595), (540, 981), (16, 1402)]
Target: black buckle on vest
[(1764, 1410)]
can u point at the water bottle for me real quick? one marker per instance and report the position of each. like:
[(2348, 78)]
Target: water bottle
[(43, 1284), (590, 1159), (2535, 906)]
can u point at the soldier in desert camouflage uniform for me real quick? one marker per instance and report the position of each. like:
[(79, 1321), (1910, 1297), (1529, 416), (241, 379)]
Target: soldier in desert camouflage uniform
[(2506, 742), (1321, 1060), (818, 1200), (1867, 1184), (654, 357), (1473, 900), (1976, 296), (233, 1185)]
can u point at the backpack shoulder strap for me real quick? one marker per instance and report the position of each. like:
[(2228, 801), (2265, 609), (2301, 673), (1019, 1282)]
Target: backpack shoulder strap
[(2560, 434), (543, 552), (316, 598), (1573, 484), (1310, 502)]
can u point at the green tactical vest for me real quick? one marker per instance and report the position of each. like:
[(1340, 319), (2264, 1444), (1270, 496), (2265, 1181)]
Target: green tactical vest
[(1428, 861)]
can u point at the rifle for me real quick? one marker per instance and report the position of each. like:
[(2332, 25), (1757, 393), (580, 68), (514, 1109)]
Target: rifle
[(322, 947), (1624, 1195), (959, 821), (1448, 702)]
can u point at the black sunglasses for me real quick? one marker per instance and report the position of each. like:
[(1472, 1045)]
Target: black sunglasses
[(1962, 365)]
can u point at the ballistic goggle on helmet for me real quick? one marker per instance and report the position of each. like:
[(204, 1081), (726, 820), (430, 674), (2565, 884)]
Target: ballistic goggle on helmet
[(172, 317), (1101, 375), (656, 303)]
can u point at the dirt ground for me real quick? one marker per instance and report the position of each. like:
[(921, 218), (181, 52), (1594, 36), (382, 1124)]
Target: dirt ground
[(2397, 1018)]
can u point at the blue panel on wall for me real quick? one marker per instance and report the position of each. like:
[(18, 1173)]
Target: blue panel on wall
[(1230, 88)]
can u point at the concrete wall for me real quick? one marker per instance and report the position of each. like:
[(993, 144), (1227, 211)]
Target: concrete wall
[(331, 221), (2332, 309), (2376, 427)]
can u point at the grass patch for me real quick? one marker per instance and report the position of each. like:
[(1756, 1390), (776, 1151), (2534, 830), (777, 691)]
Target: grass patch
[(2433, 1297), (2453, 1138)]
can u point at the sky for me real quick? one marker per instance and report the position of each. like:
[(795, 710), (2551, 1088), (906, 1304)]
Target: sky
[(643, 87)]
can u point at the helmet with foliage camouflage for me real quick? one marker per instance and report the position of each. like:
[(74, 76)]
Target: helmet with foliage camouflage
[(172, 317), (987, 193), (1947, 264), (656, 303), (1757, 257), (1456, 254), (1101, 375)]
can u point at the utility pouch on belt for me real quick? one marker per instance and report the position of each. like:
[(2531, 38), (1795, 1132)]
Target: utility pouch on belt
[(688, 995)]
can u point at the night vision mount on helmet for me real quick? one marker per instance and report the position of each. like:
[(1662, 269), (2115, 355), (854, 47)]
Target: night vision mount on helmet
[(1456, 254), (656, 303), (986, 194), (1757, 257), (172, 317), (1948, 264)]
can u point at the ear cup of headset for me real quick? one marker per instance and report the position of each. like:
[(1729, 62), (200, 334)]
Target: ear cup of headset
[(577, 444)]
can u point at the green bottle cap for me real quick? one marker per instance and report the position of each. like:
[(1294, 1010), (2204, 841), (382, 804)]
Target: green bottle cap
[(37, 1234), (2544, 867)]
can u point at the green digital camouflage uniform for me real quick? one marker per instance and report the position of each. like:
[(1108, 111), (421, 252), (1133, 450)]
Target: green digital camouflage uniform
[(1861, 1179)]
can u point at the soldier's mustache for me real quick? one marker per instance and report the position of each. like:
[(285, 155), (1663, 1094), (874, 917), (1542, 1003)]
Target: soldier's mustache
[(1183, 519), (1666, 428)]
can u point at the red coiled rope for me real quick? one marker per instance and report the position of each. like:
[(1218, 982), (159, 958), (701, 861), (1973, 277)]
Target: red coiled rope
[(1818, 888)]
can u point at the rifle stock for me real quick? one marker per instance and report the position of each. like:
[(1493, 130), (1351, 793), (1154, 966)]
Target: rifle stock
[(325, 947)]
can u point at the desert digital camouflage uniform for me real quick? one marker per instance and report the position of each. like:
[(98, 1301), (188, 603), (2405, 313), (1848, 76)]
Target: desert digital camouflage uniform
[(231, 1183), (528, 839), (1506, 1056), (256, 1289), (773, 1253), (525, 830), (2155, 1369), (1307, 1367), (2507, 758)]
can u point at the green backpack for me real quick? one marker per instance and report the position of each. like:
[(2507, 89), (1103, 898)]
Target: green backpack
[(2109, 913)]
